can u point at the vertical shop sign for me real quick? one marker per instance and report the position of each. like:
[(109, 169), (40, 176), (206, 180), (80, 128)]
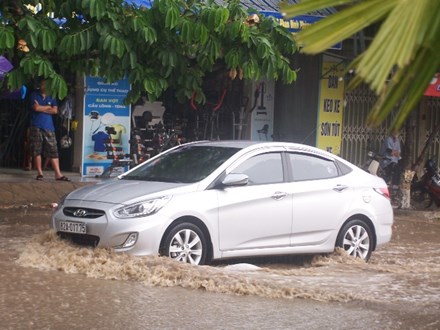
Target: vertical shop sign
[(262, 115), (331, 106), (106, 124)]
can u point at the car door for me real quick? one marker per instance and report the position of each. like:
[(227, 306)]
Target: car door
[(258, 215), (321, 198)]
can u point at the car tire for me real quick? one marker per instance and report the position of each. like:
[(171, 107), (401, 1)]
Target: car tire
[(356, 239), (186, 242)]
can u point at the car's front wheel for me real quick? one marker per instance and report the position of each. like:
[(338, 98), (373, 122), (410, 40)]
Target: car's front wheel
[(356, 239), (187, 243)]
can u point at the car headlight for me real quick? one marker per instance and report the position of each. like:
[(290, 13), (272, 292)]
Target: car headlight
[(59, 205), (141, 209)]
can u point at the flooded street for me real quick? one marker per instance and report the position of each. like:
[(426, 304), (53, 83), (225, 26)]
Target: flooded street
[(46, 283)]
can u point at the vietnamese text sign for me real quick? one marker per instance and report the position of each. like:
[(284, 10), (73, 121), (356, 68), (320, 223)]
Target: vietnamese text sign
[(106, 124), (329, 130)]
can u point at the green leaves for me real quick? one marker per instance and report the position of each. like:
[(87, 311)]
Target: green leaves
[(47, 39), (201, 33), (35, 65), (215, 18), (167, 58), (172, 17), (115, 45), (232, 58), (264, 47), (173, 44), (15, 79), (186, 31), (30, 23), (74, 44), (7, 39), (57, 86), (149, 34), (97, 8)]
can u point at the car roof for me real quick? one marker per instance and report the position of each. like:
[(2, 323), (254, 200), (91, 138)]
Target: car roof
[(241, 144), (251, 145)]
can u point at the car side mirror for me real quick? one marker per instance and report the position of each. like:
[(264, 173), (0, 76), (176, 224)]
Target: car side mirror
[(235, 179)]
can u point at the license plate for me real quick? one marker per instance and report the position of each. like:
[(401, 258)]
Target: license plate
[(73, 227)]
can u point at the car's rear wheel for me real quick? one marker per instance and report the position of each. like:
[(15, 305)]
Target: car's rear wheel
[(186, 243), (356, 239)]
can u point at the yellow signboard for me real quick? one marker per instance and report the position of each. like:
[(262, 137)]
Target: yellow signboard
[(331, 108)]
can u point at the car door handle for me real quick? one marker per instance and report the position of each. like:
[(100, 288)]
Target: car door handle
[(340, 188), (279, 195)]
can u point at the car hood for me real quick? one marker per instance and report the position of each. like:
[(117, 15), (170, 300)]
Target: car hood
[(126, 191)]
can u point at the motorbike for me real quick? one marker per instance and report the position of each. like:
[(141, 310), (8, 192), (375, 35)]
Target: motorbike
[(426, 191), (373, 165)]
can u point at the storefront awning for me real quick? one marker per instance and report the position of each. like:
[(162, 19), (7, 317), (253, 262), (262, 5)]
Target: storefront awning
[(259, 5), (434, 86), (140, 3)]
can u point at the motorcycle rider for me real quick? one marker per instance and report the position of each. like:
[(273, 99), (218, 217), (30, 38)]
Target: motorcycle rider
[(391, 158)]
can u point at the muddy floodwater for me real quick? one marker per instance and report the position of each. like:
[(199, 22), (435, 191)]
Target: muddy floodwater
[(46, 283)]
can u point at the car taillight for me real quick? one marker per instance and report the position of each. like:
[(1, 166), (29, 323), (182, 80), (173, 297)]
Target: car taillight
[(383, 191)]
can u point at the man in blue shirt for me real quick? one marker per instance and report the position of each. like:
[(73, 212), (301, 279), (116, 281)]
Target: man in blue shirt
[(42, 132)]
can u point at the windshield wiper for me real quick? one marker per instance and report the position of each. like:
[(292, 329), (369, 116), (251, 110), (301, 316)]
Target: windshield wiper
[(134, 177)]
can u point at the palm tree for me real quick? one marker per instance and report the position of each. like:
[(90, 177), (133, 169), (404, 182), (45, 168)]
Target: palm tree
[(400, 61)]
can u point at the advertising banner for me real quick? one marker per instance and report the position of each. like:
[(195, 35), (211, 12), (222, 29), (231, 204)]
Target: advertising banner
[(106, 132), (331, 106), (262, 115)]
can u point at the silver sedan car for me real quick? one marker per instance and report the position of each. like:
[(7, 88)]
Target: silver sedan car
[(211, 200)]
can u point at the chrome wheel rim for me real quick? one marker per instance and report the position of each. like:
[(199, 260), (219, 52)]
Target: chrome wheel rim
[(186, 246), (357, 242)]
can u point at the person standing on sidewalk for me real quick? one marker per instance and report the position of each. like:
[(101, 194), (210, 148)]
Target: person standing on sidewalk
[(42, 134)]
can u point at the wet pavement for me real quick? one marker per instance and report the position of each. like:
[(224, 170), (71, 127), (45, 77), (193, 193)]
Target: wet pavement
[(46, 283), (19, 188)]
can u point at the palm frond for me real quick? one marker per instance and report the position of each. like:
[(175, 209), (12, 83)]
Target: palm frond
[(406, 47), (316, 38)]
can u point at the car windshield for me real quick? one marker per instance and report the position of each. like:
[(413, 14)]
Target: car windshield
[(186, 164)]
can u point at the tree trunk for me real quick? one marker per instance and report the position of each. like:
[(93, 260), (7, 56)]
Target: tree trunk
[(409, 169), (408, 172), (405, 187), (421, 157)]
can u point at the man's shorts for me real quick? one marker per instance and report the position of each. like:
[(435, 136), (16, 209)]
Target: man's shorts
[(43, 143)]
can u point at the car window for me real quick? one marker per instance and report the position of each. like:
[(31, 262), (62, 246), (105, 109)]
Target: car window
[(262, 169), (186, 164), (309, 167)]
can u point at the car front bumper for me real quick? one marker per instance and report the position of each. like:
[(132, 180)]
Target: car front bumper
[(111, 232)]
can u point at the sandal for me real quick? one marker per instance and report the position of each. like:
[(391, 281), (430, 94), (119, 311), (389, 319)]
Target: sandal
[(39, 177), (63, 178)]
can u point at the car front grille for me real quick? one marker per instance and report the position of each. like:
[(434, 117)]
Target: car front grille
[(84, 213), (80, 239)]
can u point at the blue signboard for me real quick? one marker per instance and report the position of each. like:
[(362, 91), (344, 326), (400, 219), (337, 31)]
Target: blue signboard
[(297, 23), (106, 124), (140, 3)]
